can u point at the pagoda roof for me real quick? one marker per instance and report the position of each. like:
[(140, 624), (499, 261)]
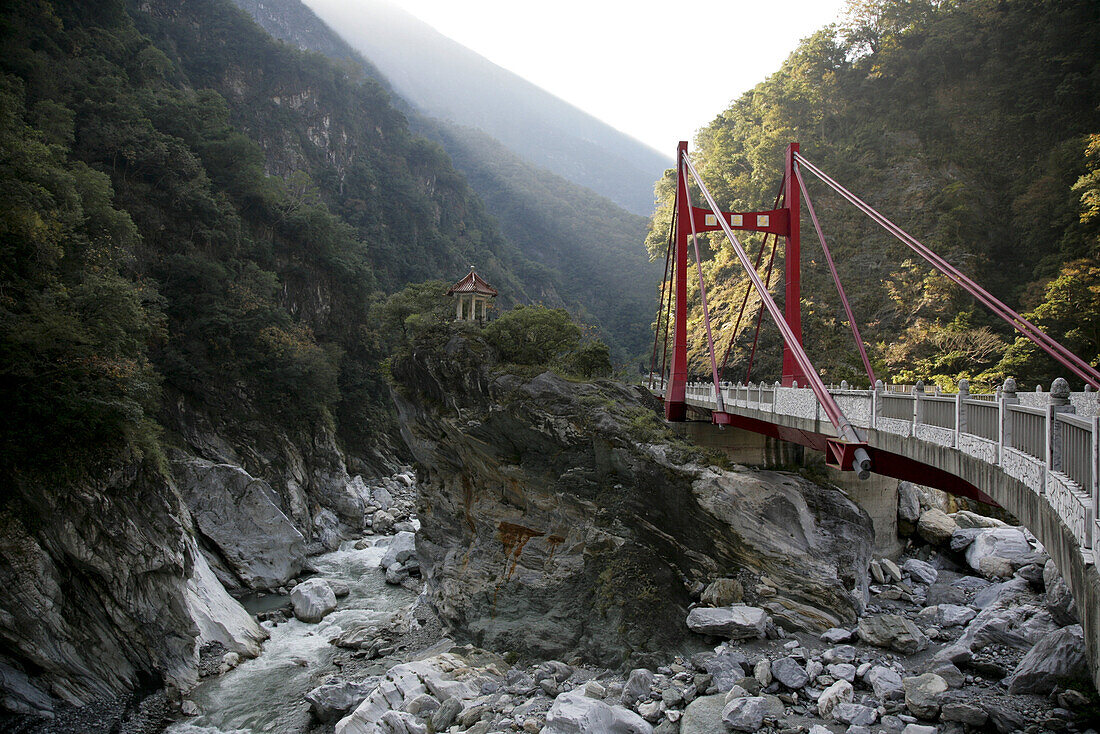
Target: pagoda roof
[(472, 283)]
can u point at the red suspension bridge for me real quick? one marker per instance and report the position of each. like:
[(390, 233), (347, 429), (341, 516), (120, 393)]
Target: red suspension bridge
[(1037, 454)]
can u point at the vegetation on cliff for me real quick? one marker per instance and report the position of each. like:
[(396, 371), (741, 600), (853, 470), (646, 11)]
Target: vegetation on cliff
[(419, 319), (966, 122), (194, 211), (579, 250)]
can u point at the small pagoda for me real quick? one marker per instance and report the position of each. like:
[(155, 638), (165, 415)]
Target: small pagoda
[(471, 292)]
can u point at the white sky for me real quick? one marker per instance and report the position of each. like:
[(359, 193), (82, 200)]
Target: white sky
[(614, 59)]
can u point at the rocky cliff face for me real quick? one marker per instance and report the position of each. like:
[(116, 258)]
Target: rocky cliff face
[(561, 519), (99, 600)]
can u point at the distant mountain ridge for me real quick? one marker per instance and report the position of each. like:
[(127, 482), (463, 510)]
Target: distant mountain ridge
[(449, 81), (576, 243)]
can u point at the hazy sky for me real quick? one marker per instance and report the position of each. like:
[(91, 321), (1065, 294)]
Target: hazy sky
[(615, 59)]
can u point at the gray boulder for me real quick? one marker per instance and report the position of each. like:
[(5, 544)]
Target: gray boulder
[(936, 526), (445, 715), (837, 693), (745, 713), (239, 514), (836, 635), (381, 522), (382, 497), (1007, 543), (891, 570), (892, 631), (1010, 621), (332, 701), (855, 714), (886, 683), (924, 694), (1057, 596), (312, 600), (962, 538), (964, 713), (919, 571), (703, 715), (790, 673), (908, 503), (400, 550), (637, 686), (734, 623), (575, 713), (968, 519), (1058, 656), (954, 615), (722, 593), (726, 668)]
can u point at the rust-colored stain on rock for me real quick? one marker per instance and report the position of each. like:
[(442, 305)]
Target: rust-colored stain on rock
[(553, 541), (514, 537), (468, 500)]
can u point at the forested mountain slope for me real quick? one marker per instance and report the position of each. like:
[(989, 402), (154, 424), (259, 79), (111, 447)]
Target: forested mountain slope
[(449, 81), (591, 248), (195, 222), (586, 247), (967, 123)]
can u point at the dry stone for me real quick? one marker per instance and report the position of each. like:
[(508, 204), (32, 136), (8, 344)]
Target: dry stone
[(1007, 543), (924, 694), (837, 693), (936, 526), (892, 631), (575, 713), (1058, 656), (722, 593), (734, 623), (790, 673), (745, 714)]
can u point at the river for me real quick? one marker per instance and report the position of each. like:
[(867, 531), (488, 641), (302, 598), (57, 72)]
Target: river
[(266, 694)]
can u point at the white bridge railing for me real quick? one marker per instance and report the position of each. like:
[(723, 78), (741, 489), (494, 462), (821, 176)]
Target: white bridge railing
[(1048, 441)]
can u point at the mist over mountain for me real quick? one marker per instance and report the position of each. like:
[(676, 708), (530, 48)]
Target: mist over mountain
[(449, 81), (581, 246)]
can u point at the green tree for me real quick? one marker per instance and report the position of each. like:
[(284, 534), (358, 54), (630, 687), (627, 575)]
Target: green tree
[(533, 335)]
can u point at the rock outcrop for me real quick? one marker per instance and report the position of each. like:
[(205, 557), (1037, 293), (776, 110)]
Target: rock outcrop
[(540, 496), (239, 515), (105, 591)]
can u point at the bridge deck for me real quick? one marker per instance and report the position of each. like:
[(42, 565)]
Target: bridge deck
[(1035, 454)]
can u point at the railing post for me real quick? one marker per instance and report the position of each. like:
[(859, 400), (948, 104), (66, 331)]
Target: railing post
[(918, 405), (1059, 403), (1094, 490), (876, 402), (960, 410), (1008, 397)]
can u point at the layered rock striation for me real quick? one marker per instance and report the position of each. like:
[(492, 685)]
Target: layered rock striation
[(561, 519), (99, 598)]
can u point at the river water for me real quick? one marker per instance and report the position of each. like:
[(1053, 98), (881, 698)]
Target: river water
[(266, 694)]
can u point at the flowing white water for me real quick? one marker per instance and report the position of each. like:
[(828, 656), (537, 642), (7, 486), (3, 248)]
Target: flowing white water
[(266, 694)]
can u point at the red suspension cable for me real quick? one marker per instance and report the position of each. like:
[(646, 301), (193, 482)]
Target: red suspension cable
[(703, 297), (760, 313), (836, 279), (661, 301), (1066, 358), (845, 430), (748, 289)]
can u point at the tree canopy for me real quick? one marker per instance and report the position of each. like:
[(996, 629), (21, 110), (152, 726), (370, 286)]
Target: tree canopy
[(968, 123)]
